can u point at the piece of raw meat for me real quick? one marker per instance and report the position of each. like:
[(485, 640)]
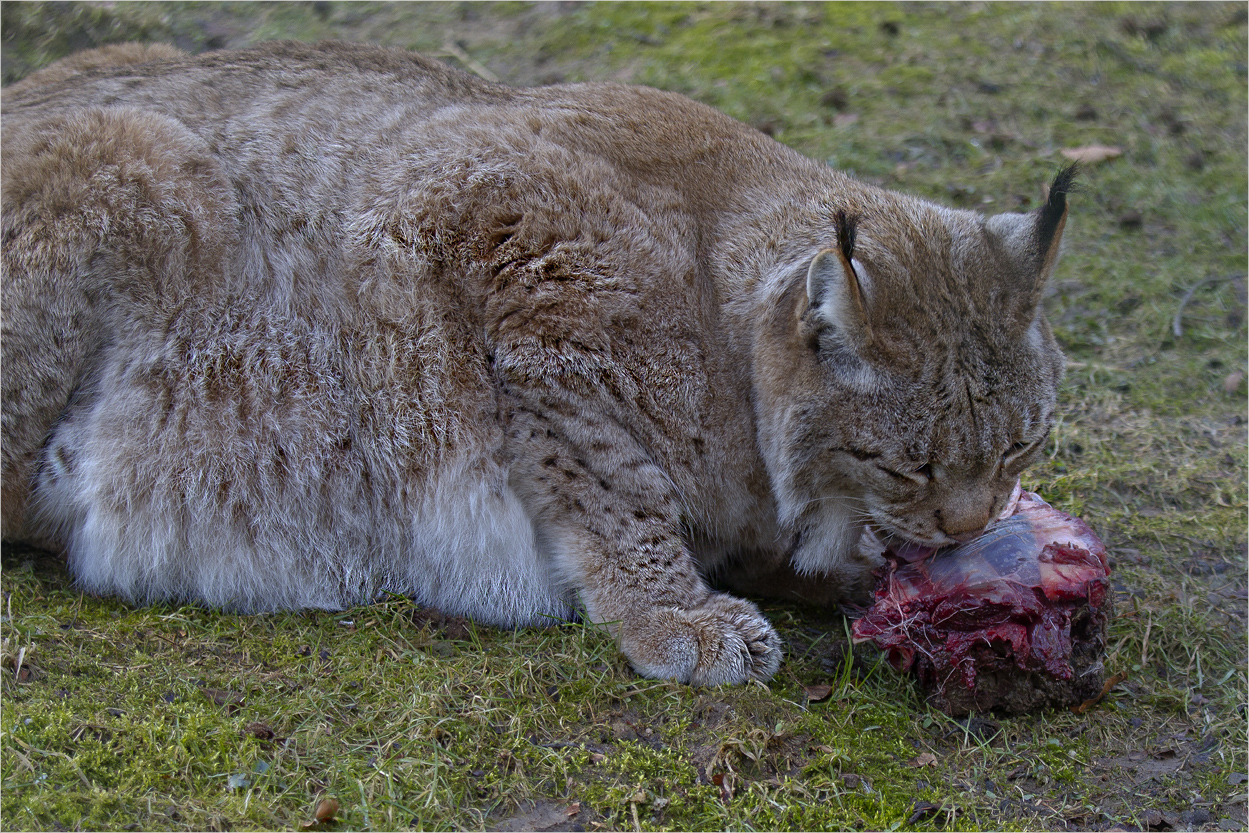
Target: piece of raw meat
[(1014, 620)]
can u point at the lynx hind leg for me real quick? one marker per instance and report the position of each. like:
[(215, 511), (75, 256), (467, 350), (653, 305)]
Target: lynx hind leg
[(615, 527), (212, 461), (101, 210), (237, 457)]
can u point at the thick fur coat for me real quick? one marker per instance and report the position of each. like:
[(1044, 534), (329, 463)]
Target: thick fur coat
[(292, 326)]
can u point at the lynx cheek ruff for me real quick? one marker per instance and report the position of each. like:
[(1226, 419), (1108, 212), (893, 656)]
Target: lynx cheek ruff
[(1014, 620)]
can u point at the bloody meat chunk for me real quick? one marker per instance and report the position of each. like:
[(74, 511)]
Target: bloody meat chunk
[(1014, 620)]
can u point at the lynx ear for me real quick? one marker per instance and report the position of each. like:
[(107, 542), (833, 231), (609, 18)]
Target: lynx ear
[(1032, 240), (835, 285)]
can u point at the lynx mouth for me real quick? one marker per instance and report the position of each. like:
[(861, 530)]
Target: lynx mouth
[(881, 536), (879, 540)]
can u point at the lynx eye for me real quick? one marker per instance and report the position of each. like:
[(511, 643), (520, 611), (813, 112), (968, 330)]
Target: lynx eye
[(1019, 450), (920, 474)]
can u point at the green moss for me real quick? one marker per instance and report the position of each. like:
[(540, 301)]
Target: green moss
[(416, 726)]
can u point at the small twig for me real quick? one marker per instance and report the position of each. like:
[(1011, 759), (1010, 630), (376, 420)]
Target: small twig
[(1073, 365), (456, 51), (1176, 328), (1110, 683)]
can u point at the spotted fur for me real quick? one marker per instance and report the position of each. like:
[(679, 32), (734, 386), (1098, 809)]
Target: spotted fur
[(292, 326)]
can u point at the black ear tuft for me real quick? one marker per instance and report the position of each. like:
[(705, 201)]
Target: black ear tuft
[(1055, 208), (1065, 181), (847, 227)]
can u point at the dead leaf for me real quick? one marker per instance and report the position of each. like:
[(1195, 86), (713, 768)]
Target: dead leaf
[(1092, 154), (1232, 383), (597, 757), (223, 698), (572, 809), (922, 810), (923, 759), (724, 780), (1016, 773), (327, 808), (816, 693), (259, 730)]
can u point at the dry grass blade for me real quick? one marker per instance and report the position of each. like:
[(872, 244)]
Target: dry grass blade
[(1176, 328), (429, 724)]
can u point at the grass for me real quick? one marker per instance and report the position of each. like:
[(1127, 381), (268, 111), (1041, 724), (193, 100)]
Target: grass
[(183, 718)]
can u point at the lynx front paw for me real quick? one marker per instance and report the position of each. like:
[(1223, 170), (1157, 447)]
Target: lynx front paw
[(723, 640)]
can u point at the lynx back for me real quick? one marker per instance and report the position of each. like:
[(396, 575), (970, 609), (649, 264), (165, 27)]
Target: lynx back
[(291, 326)]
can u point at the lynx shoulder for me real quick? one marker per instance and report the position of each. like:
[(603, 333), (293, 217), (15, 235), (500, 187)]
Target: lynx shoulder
[(291, 326)]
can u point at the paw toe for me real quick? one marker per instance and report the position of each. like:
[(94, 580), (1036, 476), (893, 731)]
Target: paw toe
[(736, 643), (724, 640)]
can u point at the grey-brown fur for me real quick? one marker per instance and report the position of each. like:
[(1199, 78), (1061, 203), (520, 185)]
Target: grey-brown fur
[(290, 326)]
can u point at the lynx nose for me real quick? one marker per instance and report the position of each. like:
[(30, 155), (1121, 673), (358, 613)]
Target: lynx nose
[(964, 519)]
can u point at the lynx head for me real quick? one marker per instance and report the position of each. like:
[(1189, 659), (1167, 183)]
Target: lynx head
[(909, 376)]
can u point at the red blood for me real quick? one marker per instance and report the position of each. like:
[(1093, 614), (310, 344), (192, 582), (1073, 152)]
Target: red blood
[(994, 623)]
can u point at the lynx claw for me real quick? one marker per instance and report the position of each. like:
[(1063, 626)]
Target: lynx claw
[(723, 640)]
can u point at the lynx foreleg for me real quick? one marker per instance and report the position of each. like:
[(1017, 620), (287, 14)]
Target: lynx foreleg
[(613, 520)]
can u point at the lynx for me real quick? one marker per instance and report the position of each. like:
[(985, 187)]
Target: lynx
[(292, 326)]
